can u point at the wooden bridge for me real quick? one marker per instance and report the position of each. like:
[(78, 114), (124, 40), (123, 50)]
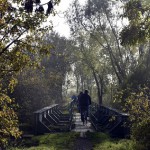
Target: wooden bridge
[(102, 119)]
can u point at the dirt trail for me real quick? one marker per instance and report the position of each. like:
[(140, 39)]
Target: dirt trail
[(83, 144)]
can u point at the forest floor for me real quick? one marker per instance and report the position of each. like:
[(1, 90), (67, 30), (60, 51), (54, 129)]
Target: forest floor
[(74, 141), (83, 144)]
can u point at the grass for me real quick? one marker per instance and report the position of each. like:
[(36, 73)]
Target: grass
[(115, 145), (35, 148), (65, 141), (102, 141), (57, 141)]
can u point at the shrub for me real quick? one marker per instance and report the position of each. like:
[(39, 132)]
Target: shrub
[(138, 106)]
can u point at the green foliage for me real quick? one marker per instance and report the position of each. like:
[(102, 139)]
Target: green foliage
[(138, 106), (116, 145), (57, 141), (66, 141), (136, 103), (138, 30), (36, 148), (43, 84), (8, 116), (95, 27), (104, 142), (141, 133), (136, 92), (97, 137), (21, 33)]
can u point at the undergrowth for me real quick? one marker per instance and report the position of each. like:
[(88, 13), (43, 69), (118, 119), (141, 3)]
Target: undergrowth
[(65, 141), (57, 141), (102, 141)]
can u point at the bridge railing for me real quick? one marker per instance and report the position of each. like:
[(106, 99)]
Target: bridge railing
[(107, 119), (51, 119)]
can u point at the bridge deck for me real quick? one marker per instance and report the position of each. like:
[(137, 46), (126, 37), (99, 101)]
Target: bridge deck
[(79, 127)]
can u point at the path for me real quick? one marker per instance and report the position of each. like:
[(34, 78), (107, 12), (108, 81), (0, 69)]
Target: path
[(82, 143)]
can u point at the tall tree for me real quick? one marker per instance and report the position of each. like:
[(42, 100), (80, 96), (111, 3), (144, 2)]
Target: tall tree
[(58, 63), (138, 30), (21, 32), (136, 92), (42, 86), (99, 22), (90, 67), (98, 19)]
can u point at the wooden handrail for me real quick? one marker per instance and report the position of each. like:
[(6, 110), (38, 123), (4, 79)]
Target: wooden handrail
[(102, 119), (48, 119)]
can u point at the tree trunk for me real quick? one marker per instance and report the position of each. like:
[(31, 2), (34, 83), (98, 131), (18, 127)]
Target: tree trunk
[(82, 83), (78, 85), (99, 93)]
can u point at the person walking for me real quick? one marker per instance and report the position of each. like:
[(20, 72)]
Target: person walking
[(84, 102), (78, 105)]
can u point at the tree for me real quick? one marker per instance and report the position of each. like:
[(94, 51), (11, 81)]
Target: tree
[(138, 29), (136, 33), (137, 105), (58, 63), (21, 32), (98, 20), (138, 108), (43, 86), (135, 93), (89, 66)]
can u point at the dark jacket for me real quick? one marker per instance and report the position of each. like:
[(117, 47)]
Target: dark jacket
[(84, 100)]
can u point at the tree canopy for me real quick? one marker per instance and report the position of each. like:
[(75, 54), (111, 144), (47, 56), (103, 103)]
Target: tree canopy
[(21, 31), (138, 29)]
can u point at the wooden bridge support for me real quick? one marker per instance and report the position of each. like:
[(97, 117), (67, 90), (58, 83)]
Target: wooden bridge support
[(106, 119), (51, 119)]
